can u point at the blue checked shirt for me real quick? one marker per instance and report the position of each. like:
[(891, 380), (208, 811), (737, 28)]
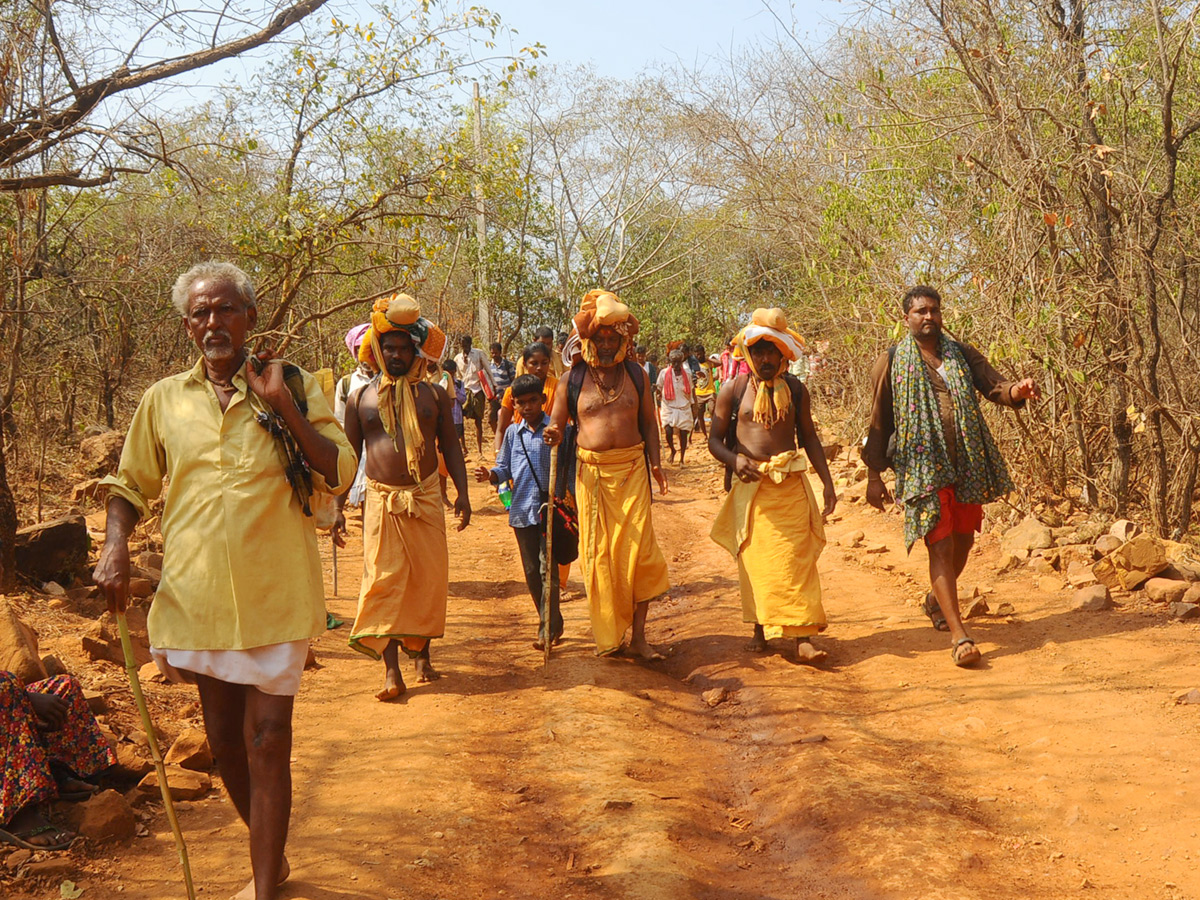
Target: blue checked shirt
[(528, 484)]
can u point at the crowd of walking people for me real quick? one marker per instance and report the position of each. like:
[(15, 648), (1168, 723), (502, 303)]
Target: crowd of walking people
[(572, 445)]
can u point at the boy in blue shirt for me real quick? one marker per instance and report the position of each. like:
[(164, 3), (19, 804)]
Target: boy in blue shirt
[(525, 459)]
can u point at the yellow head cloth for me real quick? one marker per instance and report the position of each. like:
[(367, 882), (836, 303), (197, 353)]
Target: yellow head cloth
[(599, 309), (774, 397), (397, 401)]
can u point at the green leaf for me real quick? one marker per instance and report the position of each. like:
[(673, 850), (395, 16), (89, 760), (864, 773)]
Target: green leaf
[(68, 891)]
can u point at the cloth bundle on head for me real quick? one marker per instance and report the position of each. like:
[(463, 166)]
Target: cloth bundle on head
[(600, 309), (354, 338), (397, 402), (674, 345), (774, 396)]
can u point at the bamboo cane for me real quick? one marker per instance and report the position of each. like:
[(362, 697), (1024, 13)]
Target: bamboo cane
[(159, 766), (547, 587), (333, 546)]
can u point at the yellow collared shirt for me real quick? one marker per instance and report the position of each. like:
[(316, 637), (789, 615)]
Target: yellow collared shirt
[(240, 561)]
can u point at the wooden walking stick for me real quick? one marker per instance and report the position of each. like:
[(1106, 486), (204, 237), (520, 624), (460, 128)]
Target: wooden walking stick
[(160, 768), (547, 588), (333, 546)]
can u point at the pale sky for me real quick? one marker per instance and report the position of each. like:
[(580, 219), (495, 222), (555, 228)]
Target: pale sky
[(621, 37)]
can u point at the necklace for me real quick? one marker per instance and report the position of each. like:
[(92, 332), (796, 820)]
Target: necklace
[(608, 394)]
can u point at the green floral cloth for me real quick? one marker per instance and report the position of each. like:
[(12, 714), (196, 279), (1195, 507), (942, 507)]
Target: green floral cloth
[(921, 461)]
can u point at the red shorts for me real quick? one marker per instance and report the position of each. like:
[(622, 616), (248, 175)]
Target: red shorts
[(957, 518)]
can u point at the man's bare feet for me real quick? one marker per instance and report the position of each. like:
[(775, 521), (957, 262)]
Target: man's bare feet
[(248, 892), (758, 643), (393, 685), (425, 670), (807, 654), (643, 649)]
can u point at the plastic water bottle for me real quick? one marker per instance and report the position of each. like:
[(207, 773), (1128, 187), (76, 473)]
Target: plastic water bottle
[(505, 492)]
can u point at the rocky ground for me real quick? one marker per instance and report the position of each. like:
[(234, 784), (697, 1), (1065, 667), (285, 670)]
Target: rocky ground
[(1061, 767)]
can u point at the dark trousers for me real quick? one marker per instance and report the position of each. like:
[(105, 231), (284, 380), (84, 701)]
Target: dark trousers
[(531, 541)]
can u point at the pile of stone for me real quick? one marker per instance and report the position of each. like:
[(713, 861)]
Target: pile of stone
[(1096, 561)]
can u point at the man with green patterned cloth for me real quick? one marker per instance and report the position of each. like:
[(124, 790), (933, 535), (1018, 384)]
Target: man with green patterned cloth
[(926, 424)]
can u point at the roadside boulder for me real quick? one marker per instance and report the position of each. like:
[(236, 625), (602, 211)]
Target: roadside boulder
[(183, 783), (18, 647), (132, 762), (190, 751), (1106, 544), (100, 454), (107, 816), (103, 641), (1184, 612), (1132, 564), (1079, 574), (1124, 530), (1181, 570), (53, 551), (1192, 595), (1092, 599), (1164, 590), (1029, 534)]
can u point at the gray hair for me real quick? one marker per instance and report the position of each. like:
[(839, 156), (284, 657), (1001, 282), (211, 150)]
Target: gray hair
[(226, 273)]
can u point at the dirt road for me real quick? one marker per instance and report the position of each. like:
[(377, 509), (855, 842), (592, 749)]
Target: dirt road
[(1060, 768)]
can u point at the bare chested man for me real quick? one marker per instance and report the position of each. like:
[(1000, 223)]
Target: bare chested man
[(401, 422), (611, 402), (770, 521)]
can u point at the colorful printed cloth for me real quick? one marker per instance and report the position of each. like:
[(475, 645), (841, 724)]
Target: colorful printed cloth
[(28, 752), (921, 461)]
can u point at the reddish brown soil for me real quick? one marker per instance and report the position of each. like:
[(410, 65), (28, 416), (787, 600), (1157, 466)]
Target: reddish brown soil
[(1059, 768)]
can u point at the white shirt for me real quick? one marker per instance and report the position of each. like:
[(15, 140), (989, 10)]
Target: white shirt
[(682, 400), (470, 367)]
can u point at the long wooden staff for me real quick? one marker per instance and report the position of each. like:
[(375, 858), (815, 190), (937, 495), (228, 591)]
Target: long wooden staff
[(547, 589), (159, 766)]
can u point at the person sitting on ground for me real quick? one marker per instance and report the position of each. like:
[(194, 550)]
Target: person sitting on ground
[(770, 521), (49, 743), (947, 464), (503, 372), (675, 388), (535, 360), (524, 459)]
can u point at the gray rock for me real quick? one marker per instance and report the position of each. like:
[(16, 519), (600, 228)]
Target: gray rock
[(1092, 599), (1184, 611), (1188, 698)]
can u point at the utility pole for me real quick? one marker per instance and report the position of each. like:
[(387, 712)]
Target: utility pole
[(483, 318)]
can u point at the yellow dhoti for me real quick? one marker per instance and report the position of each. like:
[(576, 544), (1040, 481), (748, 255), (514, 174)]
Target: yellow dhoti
[(621, 561), (406, 568), (774, 529)]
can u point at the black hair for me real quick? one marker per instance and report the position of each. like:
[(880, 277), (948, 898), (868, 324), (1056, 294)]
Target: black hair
[(543, 331), (450, 366), (496, 345), (641, 348), (526, 385), (466, 339), (533, 350), (562, 337), (920, 290)]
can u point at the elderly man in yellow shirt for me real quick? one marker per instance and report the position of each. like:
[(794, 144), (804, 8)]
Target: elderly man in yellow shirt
[(242, 590)]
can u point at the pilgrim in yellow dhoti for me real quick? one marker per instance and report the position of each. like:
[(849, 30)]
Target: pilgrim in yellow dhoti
[(773, 527), (621, 560), (406, 568)]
